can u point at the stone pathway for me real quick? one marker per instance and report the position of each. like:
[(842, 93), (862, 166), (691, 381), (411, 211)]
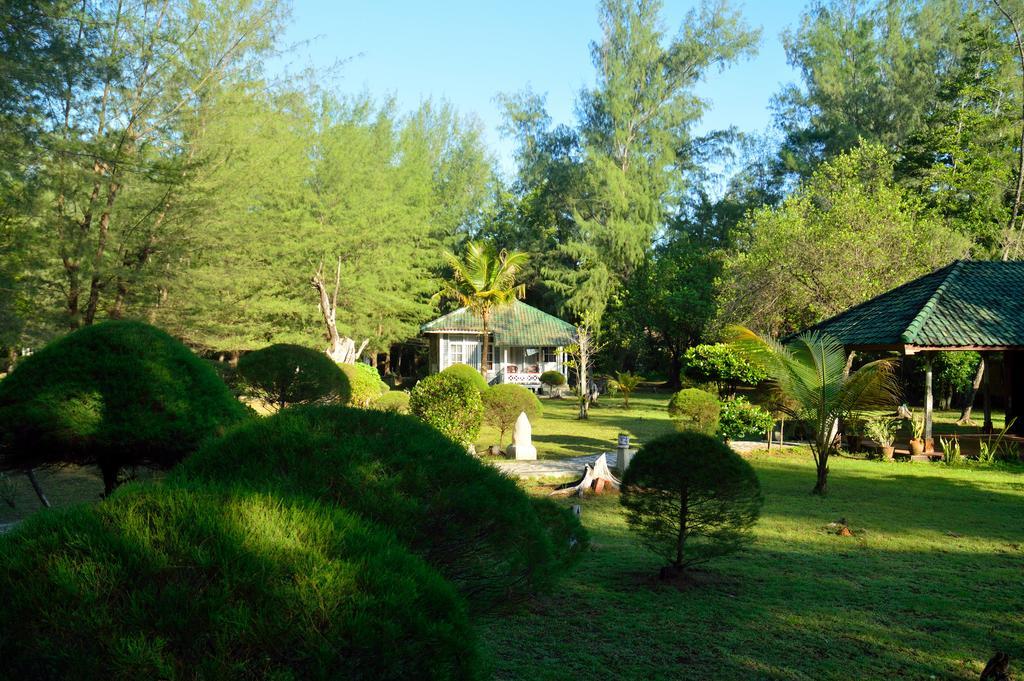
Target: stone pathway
[(7, 527), (553, 468)]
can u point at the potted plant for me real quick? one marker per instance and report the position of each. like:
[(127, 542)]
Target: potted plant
[(854, 430), (883, 432), (917, 432)]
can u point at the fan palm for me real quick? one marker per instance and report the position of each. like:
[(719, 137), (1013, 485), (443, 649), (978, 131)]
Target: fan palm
[(625, 382), (811, 372), (484, 278)]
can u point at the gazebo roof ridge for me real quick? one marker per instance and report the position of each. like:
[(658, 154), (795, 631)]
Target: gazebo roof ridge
[(929, 308)]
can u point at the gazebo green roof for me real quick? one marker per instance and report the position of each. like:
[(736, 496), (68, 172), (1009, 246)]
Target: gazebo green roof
[(514, 325), (966, 305)]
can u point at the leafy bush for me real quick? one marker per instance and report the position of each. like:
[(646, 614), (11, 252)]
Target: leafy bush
[(552, 378), (165, 581), (466, 518), (722, 365), (468, 374), (364, 383), (114, 394), (450, 404), (396, 401), (691, 498), (503, 403), (696, 410), (284, 374), (739, 419)]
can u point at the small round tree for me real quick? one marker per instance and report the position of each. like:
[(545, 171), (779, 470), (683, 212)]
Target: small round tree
[(722, 365), (468, 374), (694, 409), (284, 374), (449, 404), (364, 383), (691, 498), (115, 394), (552, 378), (503, 404), (396, 401)]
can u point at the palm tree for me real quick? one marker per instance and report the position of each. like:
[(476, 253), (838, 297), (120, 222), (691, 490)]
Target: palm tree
[(483, 279), (811, 371), (625, 382)]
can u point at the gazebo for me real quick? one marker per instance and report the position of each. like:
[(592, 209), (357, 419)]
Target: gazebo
[(966, 305)]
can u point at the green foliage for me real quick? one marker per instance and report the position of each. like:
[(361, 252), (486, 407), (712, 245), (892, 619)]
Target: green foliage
[(624, 383), (114, 394), (474, 524), (396, 401), (696, 410), (951, 455), (283, 374), (365, 384), (552, 378), (883, 430), (843, 236), (469, 375), (220, 583), (722, 365), (504, 402), (450, 404), (690, 498), (810, 373), (740, 419)]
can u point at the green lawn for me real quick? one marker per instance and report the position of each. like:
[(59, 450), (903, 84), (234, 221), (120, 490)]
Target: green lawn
[(558, 434), (930, 585)]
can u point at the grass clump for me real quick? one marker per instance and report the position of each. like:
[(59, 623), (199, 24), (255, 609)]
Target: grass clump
[(115, 394), (475, 525), (169, 582)]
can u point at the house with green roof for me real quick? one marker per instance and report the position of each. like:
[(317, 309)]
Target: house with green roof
[(524, 343)]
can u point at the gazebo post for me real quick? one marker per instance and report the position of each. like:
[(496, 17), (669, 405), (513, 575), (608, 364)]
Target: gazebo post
[(986, 394), (929, 442)]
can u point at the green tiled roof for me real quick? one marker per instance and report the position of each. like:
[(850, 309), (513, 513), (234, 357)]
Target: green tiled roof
[(965, 304), (516, 325)]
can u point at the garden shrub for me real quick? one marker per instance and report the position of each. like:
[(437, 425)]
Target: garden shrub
[(468, 374), (167, 581), (693, 409), (114, 394), (450, 404), (466, 518), (691, 498), (552, 378), (739, 419), (396, 401), (722, 365), (364, 383), (504, 402), (284, 374)]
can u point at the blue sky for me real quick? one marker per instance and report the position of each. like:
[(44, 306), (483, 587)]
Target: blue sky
[(467, 52)]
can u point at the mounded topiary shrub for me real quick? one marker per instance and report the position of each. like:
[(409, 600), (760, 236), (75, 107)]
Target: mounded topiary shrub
[(114, 394), (396, 401), (552, 378), (504, 403), (170, 582), (740, 418), (475, 525), (691, 498), (696, 410), (364, 382), (283, 374), (468, 374), (450, 404)]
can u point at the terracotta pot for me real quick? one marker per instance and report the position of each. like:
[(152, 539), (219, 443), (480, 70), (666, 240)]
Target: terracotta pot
[(916, 447), (887, 453)]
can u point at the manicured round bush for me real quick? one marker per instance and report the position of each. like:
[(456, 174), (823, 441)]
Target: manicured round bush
[(114, 394), (691, 498), (284, 374), (696, 410), (504, 403), (468, 374), (739, 419), (552, 378), (174, 582), (365, 384), (471, 522), (396, 401), (450, 404)]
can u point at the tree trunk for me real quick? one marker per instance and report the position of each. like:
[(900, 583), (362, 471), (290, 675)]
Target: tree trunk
[(484, 317), (109, 478), (675, 365), (681, 540), (341, 349), (929, 404), (821, 486), (965, 415), (31, 475)]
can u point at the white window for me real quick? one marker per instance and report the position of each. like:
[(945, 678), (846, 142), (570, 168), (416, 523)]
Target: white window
[(456, 353), (550, 356)]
